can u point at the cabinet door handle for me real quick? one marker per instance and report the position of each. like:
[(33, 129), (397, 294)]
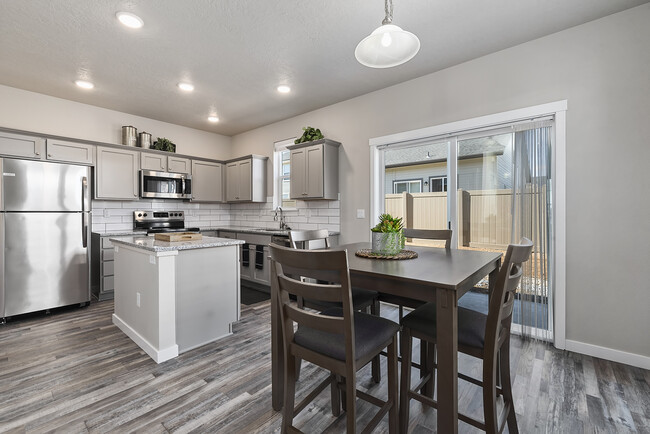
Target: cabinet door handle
[(37, 153), (49, 155)]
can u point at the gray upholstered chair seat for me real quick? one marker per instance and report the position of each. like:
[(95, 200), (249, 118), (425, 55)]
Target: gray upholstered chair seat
[(370, 334), (471, 324)]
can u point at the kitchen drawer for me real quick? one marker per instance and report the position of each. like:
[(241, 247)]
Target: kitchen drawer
[(108, 283), (108, 268), (210, 233), (106, 243), (264, 240), (108, 254)]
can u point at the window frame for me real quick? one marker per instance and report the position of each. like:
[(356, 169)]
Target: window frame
[(278, 177), (444, 183), (410, 180)]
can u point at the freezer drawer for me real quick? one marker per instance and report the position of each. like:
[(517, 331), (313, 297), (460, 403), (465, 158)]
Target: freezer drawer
[(45, 262)]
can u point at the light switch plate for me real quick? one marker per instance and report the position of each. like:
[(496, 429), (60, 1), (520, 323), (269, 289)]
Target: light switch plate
[(361, 213)]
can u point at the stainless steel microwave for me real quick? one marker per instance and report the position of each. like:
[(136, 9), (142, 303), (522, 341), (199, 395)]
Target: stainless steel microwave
[(165, 185)]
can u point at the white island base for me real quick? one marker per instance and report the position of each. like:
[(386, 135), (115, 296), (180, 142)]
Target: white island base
[(170, 300)]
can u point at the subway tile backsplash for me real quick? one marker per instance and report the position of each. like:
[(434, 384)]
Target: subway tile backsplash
[(111, 216)]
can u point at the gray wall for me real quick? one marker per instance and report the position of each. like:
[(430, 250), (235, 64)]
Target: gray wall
[(601, 68)]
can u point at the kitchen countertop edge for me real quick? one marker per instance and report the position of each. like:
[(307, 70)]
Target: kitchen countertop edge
[(151, 244)]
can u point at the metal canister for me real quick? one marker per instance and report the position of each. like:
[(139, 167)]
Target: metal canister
[(129, 135), (144, 140)]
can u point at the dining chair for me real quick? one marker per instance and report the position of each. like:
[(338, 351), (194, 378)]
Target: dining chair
[(362, 299), (338, 339), (425, 234), (486, 337)]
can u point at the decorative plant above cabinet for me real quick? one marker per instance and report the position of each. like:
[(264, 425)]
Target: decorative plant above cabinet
[(309, 135), (163, 144)]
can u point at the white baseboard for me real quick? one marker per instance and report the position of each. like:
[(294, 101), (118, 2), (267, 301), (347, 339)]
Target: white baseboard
[(158, 356), (618, 356)]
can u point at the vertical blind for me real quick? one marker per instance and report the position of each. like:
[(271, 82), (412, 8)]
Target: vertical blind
[(532, 218)]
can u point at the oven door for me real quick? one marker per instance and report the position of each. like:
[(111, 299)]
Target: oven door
[(165, 185)]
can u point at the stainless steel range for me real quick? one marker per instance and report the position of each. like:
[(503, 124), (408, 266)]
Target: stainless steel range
[(158, 221)]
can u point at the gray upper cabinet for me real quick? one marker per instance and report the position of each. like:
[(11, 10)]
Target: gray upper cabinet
[(165, 163), (246, 179), (116, 174), (315, 170), (155, 162), (17, 145), (179, 165), (70, 152), (207, 181)]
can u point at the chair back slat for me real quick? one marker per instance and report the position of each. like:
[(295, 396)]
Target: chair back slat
[(301, 239), (430, 234), (310, 290), (503, 297)]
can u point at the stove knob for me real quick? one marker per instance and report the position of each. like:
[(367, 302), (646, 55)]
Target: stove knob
[(139, 214), (145, 214)]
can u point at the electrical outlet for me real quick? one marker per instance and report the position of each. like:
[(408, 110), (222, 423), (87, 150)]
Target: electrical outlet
[(152, 259), (107, 212), (361, 213), (137, 299)]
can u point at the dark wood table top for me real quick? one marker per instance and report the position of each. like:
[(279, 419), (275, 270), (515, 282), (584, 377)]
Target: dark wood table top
[(438, 267)]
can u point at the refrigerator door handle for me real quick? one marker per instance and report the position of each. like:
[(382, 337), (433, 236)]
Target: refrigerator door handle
[(84, 194), (84, 207), (84, 229)]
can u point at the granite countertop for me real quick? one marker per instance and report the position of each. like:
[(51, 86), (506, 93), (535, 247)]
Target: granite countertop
[(240, 229), (250, 230), (152, 244)]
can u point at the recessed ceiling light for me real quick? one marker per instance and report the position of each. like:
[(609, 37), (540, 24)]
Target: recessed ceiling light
[(213, 118), (186, 87), (284, 88), (130, 20), (84, 84)]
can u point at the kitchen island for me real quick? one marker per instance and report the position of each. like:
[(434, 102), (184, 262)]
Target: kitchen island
[(171, 297)]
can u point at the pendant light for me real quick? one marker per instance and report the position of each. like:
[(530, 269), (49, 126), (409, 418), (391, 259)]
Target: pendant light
[(388, 45)]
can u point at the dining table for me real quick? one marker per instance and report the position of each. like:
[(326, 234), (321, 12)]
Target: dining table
[(436, 275)]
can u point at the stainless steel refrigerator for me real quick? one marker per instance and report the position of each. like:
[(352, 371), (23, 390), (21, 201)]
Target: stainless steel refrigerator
[(44, 236)]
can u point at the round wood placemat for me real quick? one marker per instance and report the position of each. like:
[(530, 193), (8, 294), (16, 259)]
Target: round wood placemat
[(404, 254)]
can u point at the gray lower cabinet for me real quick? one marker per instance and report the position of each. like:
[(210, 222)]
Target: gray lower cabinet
[(101, 270), (255, 265), (116, 174), (18, 145)]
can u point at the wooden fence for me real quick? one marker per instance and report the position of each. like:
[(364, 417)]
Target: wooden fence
[(484, 216)]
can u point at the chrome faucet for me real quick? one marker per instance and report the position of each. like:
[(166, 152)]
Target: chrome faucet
[(283, 225)]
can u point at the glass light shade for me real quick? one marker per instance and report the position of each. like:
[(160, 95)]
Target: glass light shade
[(387, 46)]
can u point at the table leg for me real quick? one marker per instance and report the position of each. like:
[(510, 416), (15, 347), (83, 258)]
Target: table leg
[(447, 337), (277, 357)]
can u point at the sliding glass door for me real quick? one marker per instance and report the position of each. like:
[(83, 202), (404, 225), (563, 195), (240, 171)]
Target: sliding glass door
[(491, 188)]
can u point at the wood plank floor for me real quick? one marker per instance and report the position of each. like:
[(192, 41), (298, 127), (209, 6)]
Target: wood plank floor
[(73, 371)]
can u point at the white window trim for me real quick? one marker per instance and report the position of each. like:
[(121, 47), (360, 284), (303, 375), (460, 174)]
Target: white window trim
[(400, 181), (558, 110), (278, 147)]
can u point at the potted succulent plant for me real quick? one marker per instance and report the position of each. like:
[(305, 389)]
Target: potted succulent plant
[(388, 235)]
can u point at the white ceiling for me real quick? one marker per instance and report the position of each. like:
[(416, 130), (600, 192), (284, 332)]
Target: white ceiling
[(236, 52)]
